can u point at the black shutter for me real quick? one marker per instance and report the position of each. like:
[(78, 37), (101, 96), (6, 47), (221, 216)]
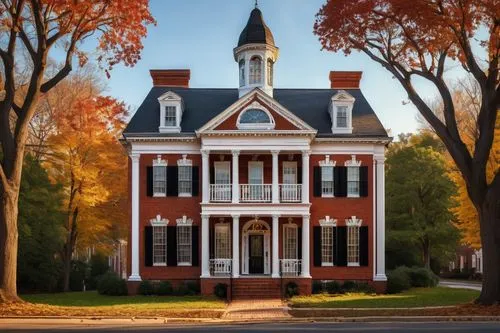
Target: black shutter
[(148, 246), (340, 181), (212, 175), (149, 181), (363, 246), (341, 246), (299, 243), (299, 175), (195, 186), (363, 181), (172, 181), (334, 247), (171, 246), (195, 257), (317, 181), (212, 242), (317, 246)]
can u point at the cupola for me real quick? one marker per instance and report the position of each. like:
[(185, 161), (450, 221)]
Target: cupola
[(256, 55)]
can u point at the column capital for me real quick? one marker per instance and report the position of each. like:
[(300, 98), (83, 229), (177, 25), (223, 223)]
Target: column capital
[(306, 153), (235, 152), (276, 216), (379, 158), (235, 216), (306, 216), (205, 152), (275, 152), (134, 157), (205, 216)]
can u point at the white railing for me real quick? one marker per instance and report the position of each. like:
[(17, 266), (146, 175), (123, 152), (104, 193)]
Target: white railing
[(220, 266), (220, 192), (291, 267), (255, 192), (290, 192)]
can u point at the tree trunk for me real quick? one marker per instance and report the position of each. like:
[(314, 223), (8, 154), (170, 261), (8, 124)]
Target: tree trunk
[(8, 246), (489, 217), (68, 248), (427, 254)]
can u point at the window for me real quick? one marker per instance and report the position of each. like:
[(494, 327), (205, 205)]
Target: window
[(289, 172), (185, 180), (353, 181), (159, 180), (159, 245), (222, 242), (342, 116), (184, 245), (290, 241), (353, 246), (242, 72), (221, 191), (327, 181), (255, 116), (327, 245), (170, 116), (270, 65), (255, 70)]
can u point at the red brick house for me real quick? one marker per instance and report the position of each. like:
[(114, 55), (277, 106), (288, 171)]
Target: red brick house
[(255, 185)]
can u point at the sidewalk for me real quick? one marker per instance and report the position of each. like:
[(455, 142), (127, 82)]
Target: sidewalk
[(461, 284), (257, 310)]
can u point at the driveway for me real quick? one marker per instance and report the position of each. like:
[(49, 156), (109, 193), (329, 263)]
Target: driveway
[(461, 284)]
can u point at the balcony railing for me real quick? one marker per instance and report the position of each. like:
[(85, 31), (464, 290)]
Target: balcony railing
[(220, 192), (290, 192), (291, 267), (255, 192), (220, 266)]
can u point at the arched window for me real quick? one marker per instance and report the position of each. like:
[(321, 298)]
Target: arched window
[(270, 65), (254, 118), (255, 70), (242, 72)]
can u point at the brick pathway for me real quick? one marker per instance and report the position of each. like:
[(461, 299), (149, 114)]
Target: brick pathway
[(257, 309)]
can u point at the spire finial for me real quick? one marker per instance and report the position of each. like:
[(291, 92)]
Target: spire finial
[(256, 3)]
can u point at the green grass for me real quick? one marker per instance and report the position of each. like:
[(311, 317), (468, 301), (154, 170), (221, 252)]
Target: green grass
[(416, 297), (93, 299)]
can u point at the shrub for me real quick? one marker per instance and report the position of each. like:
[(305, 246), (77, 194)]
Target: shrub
[(365, 288), (220, 290), (182, 290), (77, 275), (164, 288), (110, 284), (193, 287), (333, 287), (317, 287), (397, 281), (422, 277), (291, 289), (349, 286), (98, 266), (146, 288)]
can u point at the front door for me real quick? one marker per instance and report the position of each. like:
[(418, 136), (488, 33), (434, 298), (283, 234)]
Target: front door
[(256, 265)]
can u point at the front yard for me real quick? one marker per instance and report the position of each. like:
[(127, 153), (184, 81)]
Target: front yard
[(416, 297)]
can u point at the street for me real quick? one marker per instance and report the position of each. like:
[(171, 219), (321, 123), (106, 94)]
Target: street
[(474, 285), (480, 327)]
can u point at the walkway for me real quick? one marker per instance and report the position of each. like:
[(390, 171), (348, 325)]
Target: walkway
[(257, 309), (461, 284)]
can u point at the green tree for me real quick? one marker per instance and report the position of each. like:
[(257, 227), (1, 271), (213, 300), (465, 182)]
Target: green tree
[(40, 229), (419, 201)]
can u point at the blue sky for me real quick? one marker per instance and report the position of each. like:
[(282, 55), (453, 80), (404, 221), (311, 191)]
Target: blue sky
[(201, 34)]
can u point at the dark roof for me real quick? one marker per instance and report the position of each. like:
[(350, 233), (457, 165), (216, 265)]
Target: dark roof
[(256, 30), (201, 105)]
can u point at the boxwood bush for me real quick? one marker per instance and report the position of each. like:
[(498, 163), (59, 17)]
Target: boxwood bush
[(291, 289), (333, 287), (317, 287), (111, 284), (164, 288), (398, 280), (220, 290), (146, 288)]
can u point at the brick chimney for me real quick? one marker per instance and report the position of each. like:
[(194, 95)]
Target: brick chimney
[(171, 77), (345, 79)]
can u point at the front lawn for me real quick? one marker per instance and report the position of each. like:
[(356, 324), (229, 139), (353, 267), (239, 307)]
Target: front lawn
[(416, 297)]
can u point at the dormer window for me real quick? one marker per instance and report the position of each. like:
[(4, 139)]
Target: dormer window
[(255, 118), (255, 70), (341, 112), (171, 108)]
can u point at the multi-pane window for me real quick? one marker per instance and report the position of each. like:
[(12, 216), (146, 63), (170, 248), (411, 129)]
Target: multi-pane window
[(327, 181), (353, 246), (342, 116), (255, 70), (222, 242), (170, 116), (290, 242), (184, 241), (221, 191), (159, 180), (185, 180), (242, 72), (327, 246), (353, 181), (270, 65), (159, 246)]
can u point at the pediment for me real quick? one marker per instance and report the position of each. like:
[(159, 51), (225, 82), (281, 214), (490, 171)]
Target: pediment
[(343, 96), (169, 96)]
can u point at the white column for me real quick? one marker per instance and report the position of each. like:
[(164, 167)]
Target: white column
[(236, 246), (275, 186), (276, 257), (134, 274), (380, 183), (205, 246), (236, 176), (205, 176), (305, 246), (305, 176)]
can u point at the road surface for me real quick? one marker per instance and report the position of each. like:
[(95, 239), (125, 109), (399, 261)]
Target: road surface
[(460, 284), (441, 327)]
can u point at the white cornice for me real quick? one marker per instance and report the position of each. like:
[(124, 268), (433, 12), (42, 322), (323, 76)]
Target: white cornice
[(355, 139)]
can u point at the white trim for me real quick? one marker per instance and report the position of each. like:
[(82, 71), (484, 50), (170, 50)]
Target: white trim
[(341, 99), (328, 222), (353, 222), (256, 126), (158, 221), (252, 209), (184, 161), (352, 162), (184, 221), (170, 99), (327, 162)]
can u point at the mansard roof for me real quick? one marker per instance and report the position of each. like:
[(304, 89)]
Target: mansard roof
[(203, 104)]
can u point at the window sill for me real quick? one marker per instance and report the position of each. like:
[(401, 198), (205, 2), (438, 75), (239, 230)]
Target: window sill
[(161, 264), (184, 264), (327, 264), (327, 196), (353, 264), (159, 195), (185, 195), (353, 196), (169, 129)]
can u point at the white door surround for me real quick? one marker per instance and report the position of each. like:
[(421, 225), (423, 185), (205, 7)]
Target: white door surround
[(255, 227)]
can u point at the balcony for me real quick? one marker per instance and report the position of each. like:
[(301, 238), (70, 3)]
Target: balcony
[(290, 267), (220, 192), (221, 266), (255, 192), (290, 192)]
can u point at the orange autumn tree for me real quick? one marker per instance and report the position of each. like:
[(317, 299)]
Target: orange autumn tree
[(421, 41), (87, 159), (40, 28)]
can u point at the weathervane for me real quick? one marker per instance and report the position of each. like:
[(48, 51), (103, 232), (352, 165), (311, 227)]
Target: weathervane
[(256, 3)]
